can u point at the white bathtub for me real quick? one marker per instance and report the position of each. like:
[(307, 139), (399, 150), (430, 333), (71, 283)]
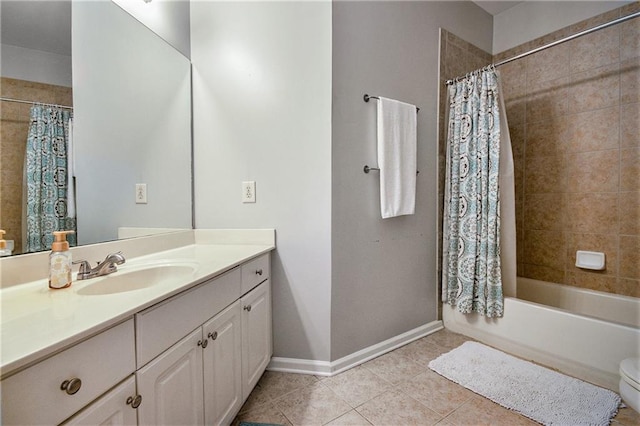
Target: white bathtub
[(567, 335)]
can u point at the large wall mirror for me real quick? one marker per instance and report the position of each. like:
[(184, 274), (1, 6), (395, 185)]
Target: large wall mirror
[(131, 120)]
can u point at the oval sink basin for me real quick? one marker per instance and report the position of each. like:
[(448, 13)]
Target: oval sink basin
[(138, 278)]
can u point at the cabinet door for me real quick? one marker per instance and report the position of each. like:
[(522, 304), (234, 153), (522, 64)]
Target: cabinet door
[(110, 409), (256, 335), (171, 385), (223, 367)]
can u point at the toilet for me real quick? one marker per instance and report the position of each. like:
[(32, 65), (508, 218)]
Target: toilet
[(630, 382)]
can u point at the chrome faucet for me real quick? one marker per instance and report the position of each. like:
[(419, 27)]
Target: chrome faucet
[(106, 267)]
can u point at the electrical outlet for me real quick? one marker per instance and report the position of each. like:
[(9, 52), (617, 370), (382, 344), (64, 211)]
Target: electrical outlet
[(249, 192), (141, 193)]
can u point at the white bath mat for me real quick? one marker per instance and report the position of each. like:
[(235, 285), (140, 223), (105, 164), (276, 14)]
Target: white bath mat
[(543, 395)]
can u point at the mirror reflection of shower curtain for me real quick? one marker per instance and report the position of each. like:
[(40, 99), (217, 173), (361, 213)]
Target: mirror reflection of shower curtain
[(478, 265), (47, 174)]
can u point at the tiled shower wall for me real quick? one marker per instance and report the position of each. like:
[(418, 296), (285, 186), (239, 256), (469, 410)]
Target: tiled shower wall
[(574, 120), (14, 128)]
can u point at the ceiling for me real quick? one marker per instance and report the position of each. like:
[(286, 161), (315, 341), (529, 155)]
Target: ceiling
[(40, 25), (497, 6), (46, 24)]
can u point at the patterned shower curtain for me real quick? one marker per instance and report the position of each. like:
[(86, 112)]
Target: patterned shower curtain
[(46, 172), (471, 267)]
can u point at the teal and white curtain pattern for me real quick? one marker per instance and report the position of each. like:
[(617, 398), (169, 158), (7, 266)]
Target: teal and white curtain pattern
[(471, 266), (46, 177)]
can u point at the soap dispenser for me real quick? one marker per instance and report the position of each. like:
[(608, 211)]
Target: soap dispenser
[(60, 261), (4, 251)]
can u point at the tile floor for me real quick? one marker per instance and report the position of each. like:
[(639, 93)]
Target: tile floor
[(397, 388)]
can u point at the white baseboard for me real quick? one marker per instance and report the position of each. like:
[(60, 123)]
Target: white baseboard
[(326, 368)]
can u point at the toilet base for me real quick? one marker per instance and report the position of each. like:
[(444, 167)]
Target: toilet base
[(630, 395)]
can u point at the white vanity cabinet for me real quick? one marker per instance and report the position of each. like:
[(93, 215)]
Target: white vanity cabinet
[(197, 378), (222, 366), (171, 385), (52, 390), (206, 376), (192, 358), (257, 346)]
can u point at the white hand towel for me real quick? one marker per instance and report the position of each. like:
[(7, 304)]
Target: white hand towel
[(397, 157)]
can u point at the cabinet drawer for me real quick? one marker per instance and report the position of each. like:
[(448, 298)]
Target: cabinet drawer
[(34, 395), (111, 409), (255, 272), (162, 325)]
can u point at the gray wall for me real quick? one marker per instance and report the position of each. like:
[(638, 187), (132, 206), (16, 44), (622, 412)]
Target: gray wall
[(262, 112), (384, 271)]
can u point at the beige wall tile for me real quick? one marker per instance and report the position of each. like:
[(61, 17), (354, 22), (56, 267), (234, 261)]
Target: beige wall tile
[(605, 243), (548, 64), (547, 99), (593, 213), (630, 125), (630, 257), (625, 10), (544, 175), (595, 50), (518, 178), (592, 281), (628, 287), (594, 130), (515, 112), (630, 39), (514, 79), (543, 273), (630, 81), (630, 213), (594, 89), (596, 20), (547, 138), (545, 212), (630, 169), (545, 248), (517, 135), (595, 171)]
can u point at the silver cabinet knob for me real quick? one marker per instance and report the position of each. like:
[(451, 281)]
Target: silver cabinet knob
[(71, 386), (203, 343), (134, 402), (259, 272), (247, 308), (213, 336)]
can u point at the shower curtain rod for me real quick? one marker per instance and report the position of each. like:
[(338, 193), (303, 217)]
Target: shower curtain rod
[(20, 101), (557, 42)]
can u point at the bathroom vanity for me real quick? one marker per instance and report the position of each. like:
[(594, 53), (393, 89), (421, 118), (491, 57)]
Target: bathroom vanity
[(187, 348)]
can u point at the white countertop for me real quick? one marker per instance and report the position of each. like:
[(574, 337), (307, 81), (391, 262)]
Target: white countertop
[(37, 321)]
